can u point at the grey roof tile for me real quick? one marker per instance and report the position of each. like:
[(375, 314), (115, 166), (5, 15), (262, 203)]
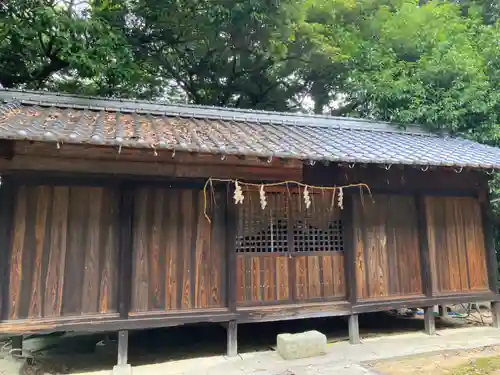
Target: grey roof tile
[(54, 117)]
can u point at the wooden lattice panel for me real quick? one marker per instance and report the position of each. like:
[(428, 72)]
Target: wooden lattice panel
[(317, 228), (287, 225), (263, 231)]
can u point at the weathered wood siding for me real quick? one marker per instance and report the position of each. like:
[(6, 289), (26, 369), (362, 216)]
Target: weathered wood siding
[(262, 279), (64, 252), (386, 247), (178, 256), (456, 244), (319, 277)]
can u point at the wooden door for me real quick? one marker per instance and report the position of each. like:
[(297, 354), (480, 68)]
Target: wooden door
[(286, 252)]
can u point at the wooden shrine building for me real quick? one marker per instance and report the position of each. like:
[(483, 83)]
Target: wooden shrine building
[(119, 215)]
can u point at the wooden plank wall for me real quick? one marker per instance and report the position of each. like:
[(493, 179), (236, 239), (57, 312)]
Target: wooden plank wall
[(386, 247), (64, 252), (178, 256), (262, 279), (266, 279), (456, 244), (320, 277)]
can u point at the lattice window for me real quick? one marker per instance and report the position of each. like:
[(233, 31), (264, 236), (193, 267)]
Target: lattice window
[(263, 231), (317, 229)]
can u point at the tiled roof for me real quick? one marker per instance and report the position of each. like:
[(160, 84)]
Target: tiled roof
[(71, 119)]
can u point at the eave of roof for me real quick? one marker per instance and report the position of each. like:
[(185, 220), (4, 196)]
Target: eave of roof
[(27, 115)]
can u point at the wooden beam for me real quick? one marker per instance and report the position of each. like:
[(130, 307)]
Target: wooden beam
[(429, 320), (425, 256), (495, 314), (148, 168), (232, 339), (354, 329)]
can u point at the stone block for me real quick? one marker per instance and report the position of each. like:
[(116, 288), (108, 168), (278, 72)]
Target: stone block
[(301, 345), (122, 370)]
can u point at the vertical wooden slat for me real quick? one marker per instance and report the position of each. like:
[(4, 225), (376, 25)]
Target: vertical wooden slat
[(301, 278), (77, 239), (126, 250), (186, 249), (313, 281), (141, 245), (477, 255), (109, 248), (427, 262), (57, 253), (255, 277), (171, 244), (462, 243), (202, 257), (282, 267), (91, 274), (453, 243), (36, 300), (155, 268), (17, 252), (328, 280)]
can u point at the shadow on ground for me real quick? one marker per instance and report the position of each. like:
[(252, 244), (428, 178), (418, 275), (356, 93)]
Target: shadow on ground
[(80, 354)]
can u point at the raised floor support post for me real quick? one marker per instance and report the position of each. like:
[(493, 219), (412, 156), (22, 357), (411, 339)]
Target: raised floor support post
[(495, 314), (17, 343), (443, 311), (354, 329), (430, 321), (122, 367), (232, 339)]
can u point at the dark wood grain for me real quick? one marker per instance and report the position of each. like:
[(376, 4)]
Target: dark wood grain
[(386, 247), (178, 253), (7, 198), (456, 244), (56, 268)]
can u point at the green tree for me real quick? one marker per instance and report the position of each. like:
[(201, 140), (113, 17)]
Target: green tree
[(63, 45)]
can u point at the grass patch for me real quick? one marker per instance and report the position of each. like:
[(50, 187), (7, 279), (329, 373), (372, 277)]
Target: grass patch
[(479, 366)]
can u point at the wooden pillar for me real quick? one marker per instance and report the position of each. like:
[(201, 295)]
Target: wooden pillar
[(349, 256), (354, 329), (122, 348), (230, 243), (495, 314), (232, 339), (430, 321), (425, 260)]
